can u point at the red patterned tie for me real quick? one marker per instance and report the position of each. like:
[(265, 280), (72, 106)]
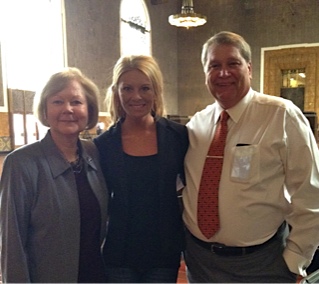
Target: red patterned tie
[(207, 208)]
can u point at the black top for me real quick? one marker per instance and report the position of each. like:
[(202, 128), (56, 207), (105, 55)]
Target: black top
[(159, 174), (91, 268), (143, 245)]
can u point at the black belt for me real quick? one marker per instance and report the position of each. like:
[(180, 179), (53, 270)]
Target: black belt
[(223, 250)]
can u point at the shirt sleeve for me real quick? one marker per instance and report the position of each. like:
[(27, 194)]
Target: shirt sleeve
[(302, 184)]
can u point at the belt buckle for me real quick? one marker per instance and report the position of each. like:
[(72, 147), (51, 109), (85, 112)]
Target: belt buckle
[(217, 246)]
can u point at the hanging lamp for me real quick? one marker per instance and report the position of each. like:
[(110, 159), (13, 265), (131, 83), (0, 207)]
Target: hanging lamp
[(187, 18)]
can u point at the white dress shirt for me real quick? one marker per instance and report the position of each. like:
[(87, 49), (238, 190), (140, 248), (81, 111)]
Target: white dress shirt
[(270, 174)]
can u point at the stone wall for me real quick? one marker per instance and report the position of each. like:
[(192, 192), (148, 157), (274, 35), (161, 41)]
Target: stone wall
[(93, 41), (263, 23)]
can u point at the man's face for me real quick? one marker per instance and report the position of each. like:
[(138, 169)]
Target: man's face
[(227, 74)]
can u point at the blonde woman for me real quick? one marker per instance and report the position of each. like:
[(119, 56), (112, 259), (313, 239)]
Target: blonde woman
[(142, 157)]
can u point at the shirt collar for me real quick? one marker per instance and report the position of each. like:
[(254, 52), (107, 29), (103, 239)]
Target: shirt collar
[(217, 113), (236, 111)]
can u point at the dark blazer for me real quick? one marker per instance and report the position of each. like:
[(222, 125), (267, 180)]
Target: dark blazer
[(172, 146)]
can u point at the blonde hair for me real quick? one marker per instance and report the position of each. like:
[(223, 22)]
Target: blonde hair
[(60, 81), (150, 68)]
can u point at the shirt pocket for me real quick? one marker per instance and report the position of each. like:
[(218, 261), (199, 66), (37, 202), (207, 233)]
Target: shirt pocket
[(245, 164)]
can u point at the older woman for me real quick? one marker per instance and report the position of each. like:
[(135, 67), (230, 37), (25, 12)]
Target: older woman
[(142, 158), (52, 193)]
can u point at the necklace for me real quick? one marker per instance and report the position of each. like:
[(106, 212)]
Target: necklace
[(77, 165)]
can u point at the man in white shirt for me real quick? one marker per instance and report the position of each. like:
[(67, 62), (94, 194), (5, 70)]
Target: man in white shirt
[(269, 180)]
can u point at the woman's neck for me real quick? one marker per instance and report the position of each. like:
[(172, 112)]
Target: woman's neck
[(139, 137), (138, 124), (67, 145)]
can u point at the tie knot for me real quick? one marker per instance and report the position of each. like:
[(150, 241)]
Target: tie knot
[(224, 116)]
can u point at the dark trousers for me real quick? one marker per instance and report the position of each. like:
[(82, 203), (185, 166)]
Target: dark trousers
[(314, 264), (265, 265)]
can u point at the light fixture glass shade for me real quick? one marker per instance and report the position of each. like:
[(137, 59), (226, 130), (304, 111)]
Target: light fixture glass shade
[(187, 18)]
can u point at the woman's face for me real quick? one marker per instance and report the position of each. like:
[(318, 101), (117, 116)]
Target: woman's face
[(67, 110), (136, 94)]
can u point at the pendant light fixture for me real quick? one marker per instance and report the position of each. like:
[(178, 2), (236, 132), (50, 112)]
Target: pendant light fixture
[(187, 18)]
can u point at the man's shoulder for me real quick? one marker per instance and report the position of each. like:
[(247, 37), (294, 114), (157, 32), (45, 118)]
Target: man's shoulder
[(265, 99)]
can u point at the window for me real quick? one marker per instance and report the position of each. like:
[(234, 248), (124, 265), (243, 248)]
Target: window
[(32, 40), (135, 28), (32, 48), (293, 78)]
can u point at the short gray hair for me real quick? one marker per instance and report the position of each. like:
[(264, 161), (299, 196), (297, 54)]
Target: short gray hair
[(227, 38)]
